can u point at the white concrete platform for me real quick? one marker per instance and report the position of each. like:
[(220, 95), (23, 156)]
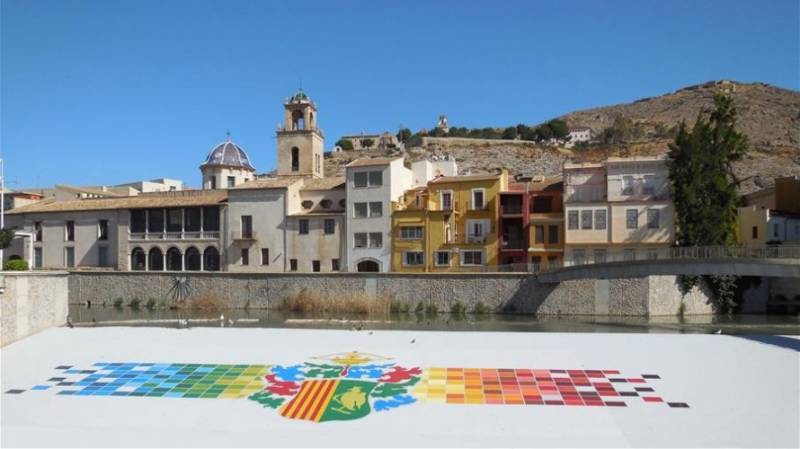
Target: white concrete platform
[(740, 392)]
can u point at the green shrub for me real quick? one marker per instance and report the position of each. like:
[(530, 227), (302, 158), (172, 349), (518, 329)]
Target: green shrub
[(150, 304), (16, 265), (431, 309), (480, 309), (399, 307), (419, 308), (458, 308), (118, 303), (134, 304)]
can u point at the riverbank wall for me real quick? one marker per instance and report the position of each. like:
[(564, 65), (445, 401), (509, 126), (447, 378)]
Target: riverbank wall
[(499, 292), (31, 302)]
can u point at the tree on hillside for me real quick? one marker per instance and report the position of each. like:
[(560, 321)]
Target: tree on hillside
[(509, 133), (403, 135), (367, 143), (623, 130), (345, 144), (558, 128), (703, 188)]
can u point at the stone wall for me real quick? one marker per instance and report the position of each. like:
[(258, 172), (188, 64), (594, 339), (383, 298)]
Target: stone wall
[(31, 302), (509, 292)]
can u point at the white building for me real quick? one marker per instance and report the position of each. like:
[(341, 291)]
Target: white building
[(426, 169), (578, 134), (372, 185)]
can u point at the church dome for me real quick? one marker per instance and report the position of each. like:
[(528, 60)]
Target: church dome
[(300, 96), (228, 154)]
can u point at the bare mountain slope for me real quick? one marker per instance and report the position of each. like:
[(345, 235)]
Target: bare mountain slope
[(769, 115)]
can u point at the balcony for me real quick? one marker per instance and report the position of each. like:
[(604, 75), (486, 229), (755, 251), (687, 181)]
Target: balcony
[(480, 239), (183, 235), (512, 244), (585, 194), (246, 237), (511, 209)]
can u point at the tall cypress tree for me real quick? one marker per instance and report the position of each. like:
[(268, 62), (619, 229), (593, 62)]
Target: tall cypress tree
[(704, 188)]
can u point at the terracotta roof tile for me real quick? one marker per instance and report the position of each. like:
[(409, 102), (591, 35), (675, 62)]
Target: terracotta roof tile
[(145, 200)]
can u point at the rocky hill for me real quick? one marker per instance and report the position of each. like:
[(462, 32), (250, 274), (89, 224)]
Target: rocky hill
[(770, 116)]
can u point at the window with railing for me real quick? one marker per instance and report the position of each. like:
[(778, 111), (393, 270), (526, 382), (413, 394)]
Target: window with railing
[(413, 258), (247, 226), (411, 232), (478, 199), (447, 200)]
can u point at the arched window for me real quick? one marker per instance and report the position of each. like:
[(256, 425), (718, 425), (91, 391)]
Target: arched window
[(295, 159), (192, 259), (368, 266), (156, 259), (298, 121), (174, 259), (138, 259), (211, 259)]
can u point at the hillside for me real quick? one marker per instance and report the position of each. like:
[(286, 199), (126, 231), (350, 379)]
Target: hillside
[(770, 116)]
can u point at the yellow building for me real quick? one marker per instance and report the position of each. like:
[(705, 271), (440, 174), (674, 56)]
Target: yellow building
[(449, 225)]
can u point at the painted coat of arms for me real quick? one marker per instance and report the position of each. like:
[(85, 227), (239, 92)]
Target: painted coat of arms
[(341, 387)]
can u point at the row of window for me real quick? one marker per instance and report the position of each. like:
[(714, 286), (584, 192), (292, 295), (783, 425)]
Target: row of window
[(366, 179), (231, 182), (303, 225), (173, 260), (191, 219), (69, 230), (597, 219), (539, 234), (367, 240), (647, 183), (599, 255), (244, 259), (371, 209), (443, 258)]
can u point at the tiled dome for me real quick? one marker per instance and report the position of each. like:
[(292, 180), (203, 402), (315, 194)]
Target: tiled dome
[(228, 154), (299, 97)]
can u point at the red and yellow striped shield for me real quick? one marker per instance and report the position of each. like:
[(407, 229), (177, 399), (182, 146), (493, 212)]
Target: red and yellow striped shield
[(311, 401)]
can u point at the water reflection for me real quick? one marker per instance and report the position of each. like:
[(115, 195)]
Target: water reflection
[(737, 324)]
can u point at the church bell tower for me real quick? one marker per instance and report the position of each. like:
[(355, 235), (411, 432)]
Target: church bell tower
[(300, 141)]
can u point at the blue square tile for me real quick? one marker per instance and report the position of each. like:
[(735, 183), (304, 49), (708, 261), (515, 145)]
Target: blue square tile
[(41, 387), (67, 392)]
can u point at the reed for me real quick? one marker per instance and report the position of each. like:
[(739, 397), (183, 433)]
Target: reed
[(307, 301)]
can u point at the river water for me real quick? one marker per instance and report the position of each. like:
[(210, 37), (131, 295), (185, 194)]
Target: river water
[(736, 324)]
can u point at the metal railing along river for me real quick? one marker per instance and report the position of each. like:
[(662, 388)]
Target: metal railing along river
[(688, 253)]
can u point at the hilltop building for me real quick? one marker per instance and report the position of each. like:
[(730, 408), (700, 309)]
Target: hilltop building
[(383, 141)]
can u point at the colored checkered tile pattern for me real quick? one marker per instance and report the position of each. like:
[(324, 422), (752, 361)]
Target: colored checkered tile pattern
[(157, 380), (534, 387)]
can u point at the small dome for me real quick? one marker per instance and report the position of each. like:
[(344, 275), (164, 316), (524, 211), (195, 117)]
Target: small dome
[(228, 154), (300, 96)]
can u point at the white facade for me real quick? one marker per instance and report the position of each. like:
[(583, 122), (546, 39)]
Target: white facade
[(426, 169), (616, 210), (578, 134), (372, 185), (783, 228)]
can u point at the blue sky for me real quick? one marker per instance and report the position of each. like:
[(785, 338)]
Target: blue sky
[(103, 92)]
